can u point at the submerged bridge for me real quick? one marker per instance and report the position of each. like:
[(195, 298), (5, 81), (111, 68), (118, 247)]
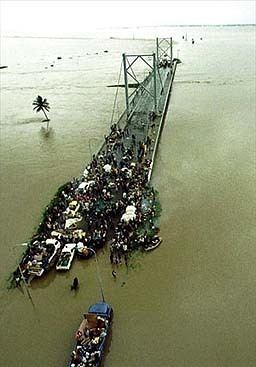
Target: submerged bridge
[(92, 210), (147, 104)]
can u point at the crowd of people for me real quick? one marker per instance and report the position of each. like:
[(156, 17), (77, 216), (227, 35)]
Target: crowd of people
[(95, 202)]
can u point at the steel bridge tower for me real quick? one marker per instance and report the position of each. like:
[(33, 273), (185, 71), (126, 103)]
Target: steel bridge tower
[(164, 50), (128, 64), (164, 55)]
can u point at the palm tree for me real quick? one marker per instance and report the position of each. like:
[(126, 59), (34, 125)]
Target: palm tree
[(42, 105)]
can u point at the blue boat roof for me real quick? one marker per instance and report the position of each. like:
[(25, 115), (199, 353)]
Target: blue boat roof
[(100, 308)]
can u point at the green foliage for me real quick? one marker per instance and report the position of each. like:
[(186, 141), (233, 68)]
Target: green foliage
[(40, 104), (134, 258), (157, 208)]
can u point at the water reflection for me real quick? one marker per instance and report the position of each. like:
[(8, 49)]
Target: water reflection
[(46, 133), (47, 140)]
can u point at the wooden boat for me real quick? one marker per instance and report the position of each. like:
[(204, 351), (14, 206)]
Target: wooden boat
[(66, 257), (91, 336), (154, 243), (39, 265), (40, 256)]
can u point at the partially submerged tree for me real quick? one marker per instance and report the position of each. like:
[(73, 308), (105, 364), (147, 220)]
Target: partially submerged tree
[(42, 105)]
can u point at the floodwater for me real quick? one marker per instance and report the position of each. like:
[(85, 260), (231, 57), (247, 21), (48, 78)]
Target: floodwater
[(192, 301)]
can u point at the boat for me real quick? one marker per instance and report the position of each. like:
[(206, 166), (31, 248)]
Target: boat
[(154, 243), (83, 251), (66, 257), (41, 263), (91, 336), (40, 256)]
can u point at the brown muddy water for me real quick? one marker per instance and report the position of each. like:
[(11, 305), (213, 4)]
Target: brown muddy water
[(192, 301)]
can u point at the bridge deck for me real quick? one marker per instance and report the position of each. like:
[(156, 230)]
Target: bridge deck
[(139, 123)]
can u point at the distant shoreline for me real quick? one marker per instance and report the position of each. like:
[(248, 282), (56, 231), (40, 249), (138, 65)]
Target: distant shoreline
[(184, 25), (198, 25), (131, 28)]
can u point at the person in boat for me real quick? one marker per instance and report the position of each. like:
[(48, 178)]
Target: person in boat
[(95, 356), (76, 357), (83, 335)]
